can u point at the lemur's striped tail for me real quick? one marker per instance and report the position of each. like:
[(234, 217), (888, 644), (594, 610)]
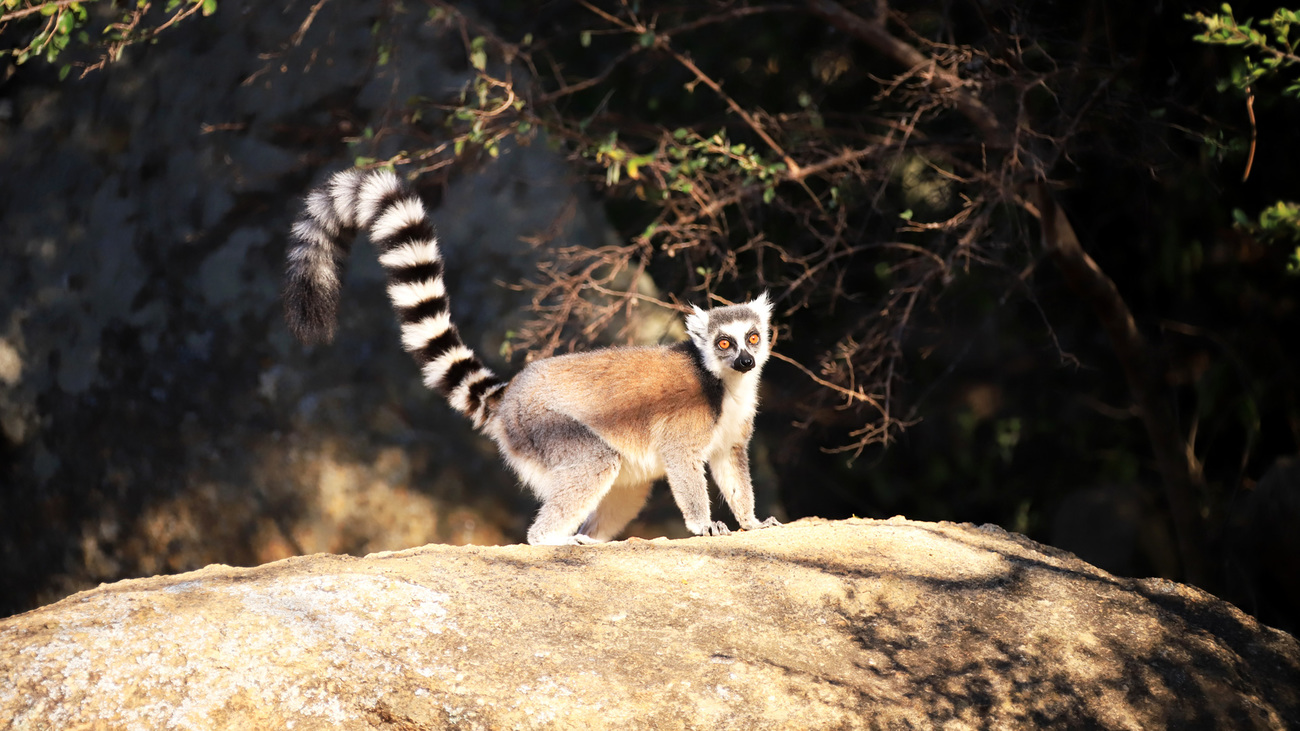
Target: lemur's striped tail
[(400, 228)]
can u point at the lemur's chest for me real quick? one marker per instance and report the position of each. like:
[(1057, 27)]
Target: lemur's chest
[(734, 424)]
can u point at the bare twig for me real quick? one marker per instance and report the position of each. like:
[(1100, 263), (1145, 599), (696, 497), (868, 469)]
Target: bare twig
[(852, 395), (791, 165), (874, 34), (1250, 111), (297, 37)]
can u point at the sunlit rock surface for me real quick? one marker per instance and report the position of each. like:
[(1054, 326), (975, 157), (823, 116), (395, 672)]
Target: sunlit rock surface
[(852, 624)]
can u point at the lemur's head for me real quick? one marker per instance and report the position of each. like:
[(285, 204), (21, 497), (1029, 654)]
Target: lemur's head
[(733, 340)]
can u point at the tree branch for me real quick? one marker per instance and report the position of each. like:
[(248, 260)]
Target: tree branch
[(1142, 370), (791, 165), (1139, 360), (875, 34), (15, 15)]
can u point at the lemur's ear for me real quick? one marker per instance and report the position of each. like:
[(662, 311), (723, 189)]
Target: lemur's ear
[(762, 304), (697, 323)]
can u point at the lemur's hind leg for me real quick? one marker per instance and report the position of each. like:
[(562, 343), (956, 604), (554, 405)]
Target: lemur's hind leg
[(620, 506), (570, 469)]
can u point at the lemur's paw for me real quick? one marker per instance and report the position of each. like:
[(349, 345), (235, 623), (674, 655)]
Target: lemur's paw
[(756, 524), (554, 540), (712, 528)]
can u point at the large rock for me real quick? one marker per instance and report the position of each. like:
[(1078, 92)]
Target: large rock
[(854, 624)]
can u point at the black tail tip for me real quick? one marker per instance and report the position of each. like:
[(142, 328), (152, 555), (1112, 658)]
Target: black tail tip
[(311, 316)]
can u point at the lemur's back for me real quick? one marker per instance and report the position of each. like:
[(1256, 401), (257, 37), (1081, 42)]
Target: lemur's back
[(633, 398)]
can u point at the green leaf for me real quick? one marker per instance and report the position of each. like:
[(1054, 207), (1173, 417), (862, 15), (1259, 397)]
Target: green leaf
[(584, 38), (478, 53), (906, 215), (634, 165), (209, 7)]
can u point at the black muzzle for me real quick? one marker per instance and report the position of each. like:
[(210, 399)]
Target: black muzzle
[(744, 362)]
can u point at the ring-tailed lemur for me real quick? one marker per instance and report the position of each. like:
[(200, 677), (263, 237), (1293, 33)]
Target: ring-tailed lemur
[(588, 432)]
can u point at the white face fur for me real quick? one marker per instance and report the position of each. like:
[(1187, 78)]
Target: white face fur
[(733, 340)]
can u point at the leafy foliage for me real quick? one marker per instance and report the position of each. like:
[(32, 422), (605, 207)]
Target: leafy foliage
[(1265, 52), (1265, 55), (45, 29)]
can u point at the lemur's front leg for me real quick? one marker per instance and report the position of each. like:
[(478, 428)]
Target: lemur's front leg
[(730, 468), (691, 491)]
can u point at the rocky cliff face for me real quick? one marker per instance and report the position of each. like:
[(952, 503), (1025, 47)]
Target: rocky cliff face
[(854, 624), (154, 413)]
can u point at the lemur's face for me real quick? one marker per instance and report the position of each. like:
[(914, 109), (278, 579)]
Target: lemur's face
[(733, 340), (739, 347)]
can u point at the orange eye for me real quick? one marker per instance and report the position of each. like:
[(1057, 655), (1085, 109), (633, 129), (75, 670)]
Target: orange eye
[(724, 344), (753, 338)]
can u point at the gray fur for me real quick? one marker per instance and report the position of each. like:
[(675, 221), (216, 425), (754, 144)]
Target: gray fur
[(588, 432)]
